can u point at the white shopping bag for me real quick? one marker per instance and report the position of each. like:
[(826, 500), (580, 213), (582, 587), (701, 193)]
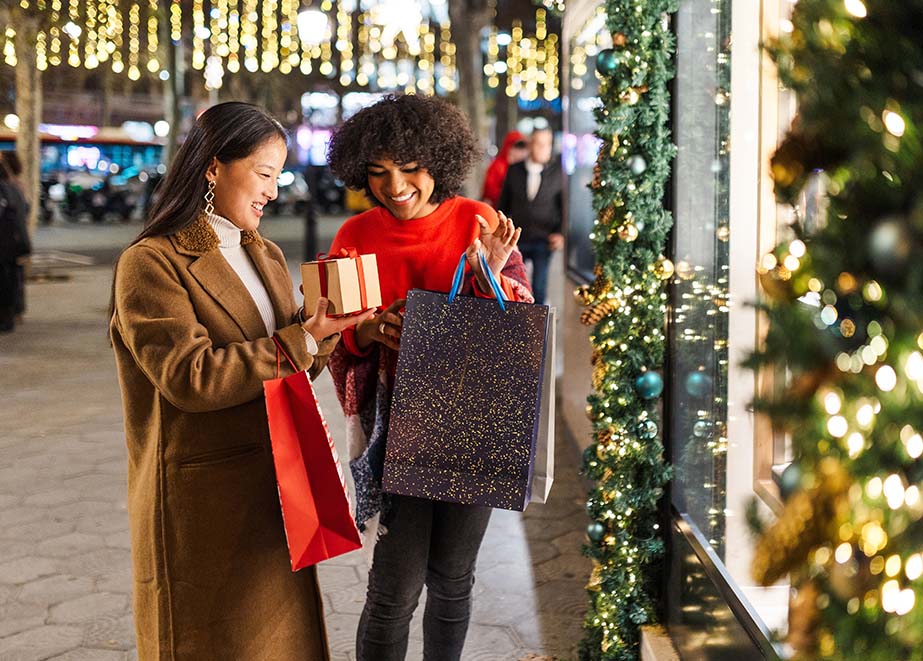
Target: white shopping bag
[(543, 473)]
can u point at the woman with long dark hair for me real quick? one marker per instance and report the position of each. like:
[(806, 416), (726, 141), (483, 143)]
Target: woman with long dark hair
[(200, 301)]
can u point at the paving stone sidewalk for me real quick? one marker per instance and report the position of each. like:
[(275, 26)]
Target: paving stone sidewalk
[(65, 578)]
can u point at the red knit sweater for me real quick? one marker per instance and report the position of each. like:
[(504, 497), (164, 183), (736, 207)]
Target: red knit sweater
[(416, 254)]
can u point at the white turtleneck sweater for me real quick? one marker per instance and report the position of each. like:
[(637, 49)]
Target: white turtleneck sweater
[(231, 249)]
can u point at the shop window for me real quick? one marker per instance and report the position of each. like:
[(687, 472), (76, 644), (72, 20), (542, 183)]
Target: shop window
[(699, 295), (726, 218)]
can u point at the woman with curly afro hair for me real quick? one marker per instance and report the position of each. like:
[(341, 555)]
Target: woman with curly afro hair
[(411, 155)]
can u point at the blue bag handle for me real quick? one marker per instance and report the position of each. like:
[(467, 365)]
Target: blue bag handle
[(460, 273)]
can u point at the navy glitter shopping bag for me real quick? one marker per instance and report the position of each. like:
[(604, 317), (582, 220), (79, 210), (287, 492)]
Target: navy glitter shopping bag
[(467, 397)]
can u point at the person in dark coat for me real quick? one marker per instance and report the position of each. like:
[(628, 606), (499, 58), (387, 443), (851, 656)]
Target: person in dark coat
[(531, 195), (13, 166), (15, 246)]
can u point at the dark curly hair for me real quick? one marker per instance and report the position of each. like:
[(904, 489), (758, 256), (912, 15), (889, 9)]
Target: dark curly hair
[(406, 128)]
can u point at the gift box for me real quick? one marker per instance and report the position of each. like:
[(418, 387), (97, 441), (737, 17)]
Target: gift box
[(347, 279)]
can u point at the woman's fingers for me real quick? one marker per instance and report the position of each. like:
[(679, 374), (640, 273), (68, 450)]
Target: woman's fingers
[(346, 322), (391, 318), (514, 241), (396, 306), (389, 324), (320, 310)]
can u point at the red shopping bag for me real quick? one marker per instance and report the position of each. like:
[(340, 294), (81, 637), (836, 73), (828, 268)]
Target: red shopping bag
[(312, 488)]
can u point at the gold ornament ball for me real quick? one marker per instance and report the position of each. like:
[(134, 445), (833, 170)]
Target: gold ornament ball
[(582, 295), (776, 286), (685, 270), (724, 233), (664, 268), (628, 232)]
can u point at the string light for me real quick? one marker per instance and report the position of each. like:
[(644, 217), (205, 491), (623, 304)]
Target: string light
[(233, 64), (90, 59), (74, 32), (215, 33), (344, 43), (199, 34), (54, 34), (115, 44), (134, 41), (292, 48), (249, 38), (9, 46), (263, 35), (176, 20), (270, 44)]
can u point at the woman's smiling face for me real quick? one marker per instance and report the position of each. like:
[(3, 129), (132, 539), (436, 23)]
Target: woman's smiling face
[(244, 186), (404, 189)]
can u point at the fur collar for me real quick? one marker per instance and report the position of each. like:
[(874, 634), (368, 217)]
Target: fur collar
[(200, 238)]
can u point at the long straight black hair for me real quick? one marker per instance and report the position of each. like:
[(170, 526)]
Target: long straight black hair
[(227, 131)]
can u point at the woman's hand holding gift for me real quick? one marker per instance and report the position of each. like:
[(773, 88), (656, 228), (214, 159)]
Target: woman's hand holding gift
[(497, 246), (320, 326), (384, 328)]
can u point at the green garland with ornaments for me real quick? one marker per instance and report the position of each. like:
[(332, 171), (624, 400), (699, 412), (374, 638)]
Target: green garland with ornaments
[(844, 300), (626, 304)]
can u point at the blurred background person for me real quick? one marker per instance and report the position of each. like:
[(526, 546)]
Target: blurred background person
[(15, 246), (531, 196), (13, 166), (514, 149)]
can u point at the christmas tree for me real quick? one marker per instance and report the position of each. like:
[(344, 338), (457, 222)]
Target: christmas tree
[(845, 307), (626, 304)]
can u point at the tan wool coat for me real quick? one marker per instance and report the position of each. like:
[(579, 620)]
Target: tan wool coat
[(212, 577)]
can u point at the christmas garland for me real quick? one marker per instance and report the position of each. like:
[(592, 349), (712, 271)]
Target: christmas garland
[(626, 303), (849, 290)]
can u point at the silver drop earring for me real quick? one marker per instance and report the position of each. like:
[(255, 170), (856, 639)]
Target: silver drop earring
[(209, 197)]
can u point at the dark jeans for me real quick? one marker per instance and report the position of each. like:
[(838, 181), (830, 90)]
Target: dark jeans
[(427, 542), (539, 254)]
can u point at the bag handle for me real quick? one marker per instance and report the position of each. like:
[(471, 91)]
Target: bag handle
[(279, 353), (459, 276)]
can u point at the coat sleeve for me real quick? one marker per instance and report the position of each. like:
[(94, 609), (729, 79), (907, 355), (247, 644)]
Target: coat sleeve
[(157, 322)]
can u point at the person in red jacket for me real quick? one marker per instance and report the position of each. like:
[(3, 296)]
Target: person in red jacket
[(411, 154), (514, 149)]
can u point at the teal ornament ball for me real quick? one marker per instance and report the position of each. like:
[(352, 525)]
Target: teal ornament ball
[(698, 384), (637, 164), (790, 481), (607, 61), (595, 531), (649, 385), (890, 245), (648, 430), (701, 428)]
